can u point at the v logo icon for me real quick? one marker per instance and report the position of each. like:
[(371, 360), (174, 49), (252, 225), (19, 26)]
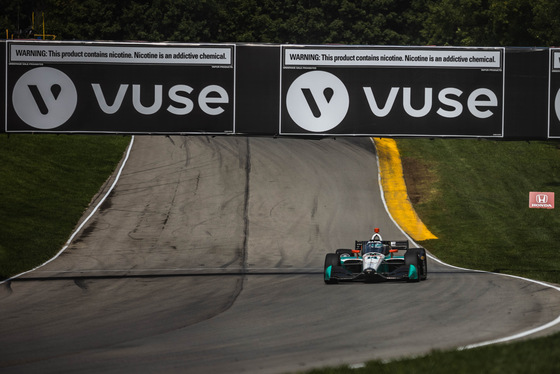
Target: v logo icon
[(39, 100), (317, 101), (327, 93), (44, 98)]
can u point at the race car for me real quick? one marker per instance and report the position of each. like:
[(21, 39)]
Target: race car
[(376, 260)]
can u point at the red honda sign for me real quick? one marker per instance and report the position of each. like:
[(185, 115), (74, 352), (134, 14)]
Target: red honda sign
[(541, 200)]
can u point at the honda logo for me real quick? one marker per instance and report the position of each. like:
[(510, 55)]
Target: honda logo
[(542, 200)]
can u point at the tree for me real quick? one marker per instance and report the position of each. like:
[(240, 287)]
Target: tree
[(493, 22), (382, 22), (457, 22), (545, 27), (17, 18)]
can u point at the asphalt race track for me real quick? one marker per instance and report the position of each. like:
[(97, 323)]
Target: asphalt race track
[(208, 256)]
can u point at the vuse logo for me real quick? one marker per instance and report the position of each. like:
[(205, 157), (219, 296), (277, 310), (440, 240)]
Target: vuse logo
[(317, 101), (44, 98)]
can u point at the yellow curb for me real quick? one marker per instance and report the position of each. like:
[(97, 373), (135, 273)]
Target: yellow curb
[(394, 190)]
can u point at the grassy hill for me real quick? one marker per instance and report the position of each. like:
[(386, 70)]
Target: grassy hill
[(474, 196), (46, 183)]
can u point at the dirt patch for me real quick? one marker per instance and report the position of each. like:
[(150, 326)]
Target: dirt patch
[(419, 179)]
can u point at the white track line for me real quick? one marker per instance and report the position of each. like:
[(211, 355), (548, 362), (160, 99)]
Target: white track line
[(69, 241), (515, 336), (488, 342)]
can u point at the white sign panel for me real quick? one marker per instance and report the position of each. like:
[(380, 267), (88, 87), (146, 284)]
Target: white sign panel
[(119, 54), (488, 59)]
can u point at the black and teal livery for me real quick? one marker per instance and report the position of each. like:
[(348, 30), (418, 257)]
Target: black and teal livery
[(376, 261)]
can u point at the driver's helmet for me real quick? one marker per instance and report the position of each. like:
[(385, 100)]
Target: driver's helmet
[(373, 246)]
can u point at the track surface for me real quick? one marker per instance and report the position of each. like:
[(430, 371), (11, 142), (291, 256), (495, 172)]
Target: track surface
[(207, 258)]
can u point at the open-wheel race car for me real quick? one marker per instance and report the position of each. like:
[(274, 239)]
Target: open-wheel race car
[(376, 260)]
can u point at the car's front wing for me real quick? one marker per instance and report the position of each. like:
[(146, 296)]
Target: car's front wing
[(404, 272)]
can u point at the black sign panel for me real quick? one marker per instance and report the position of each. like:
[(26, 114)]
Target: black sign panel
[(257, 95), (120, 88), (279, 90), (392, 91), (554, 95)]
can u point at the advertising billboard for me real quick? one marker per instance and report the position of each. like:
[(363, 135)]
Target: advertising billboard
[(386, 91), (252, 89), (120, 87)]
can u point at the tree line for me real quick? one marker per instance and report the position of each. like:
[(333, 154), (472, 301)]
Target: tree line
[(373, 22)]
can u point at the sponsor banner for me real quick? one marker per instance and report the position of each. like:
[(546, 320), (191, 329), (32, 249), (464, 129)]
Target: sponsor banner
[(121, 88), (541, 200), (271, 90), (554, 95), (392, 91)]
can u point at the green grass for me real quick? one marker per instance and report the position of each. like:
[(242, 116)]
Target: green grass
[(477, 203), (536, 356), (46, 183)]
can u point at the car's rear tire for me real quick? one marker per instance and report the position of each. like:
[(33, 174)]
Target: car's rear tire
[(423, 264), (331, 260)]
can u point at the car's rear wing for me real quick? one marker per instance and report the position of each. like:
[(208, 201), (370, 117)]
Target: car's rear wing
[(398, 244)]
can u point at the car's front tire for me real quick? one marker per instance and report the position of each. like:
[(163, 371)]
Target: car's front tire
[(344, 251), (331, 260)]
